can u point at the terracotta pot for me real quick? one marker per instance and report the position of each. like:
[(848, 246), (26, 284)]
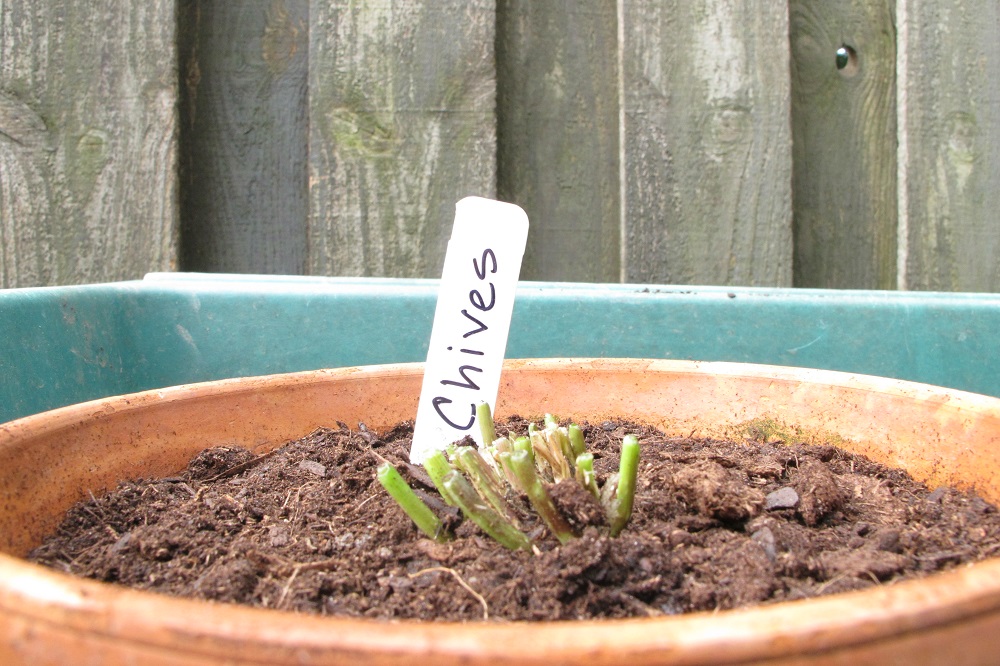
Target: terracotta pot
[(50, 460)]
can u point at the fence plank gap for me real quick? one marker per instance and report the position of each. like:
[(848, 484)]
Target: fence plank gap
[(844, 138), (244, 134)]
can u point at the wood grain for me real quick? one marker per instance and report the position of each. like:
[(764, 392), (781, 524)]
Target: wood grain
[(557, 134), (244, 133), (87, 141), (653, 141), (844, 138), (951, 148), (706, 143), (402, 125)]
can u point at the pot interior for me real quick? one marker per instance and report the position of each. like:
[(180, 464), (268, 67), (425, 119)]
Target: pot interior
[(51, 460)]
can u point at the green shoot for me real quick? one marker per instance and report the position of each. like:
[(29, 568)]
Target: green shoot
[(508, 471), (576, 440), (488, 520), (559, 442), (499, 456), (524, 444), (486, 427), (585, 474), (483, 479), (543, 458), (415, 508), (437, 467), (628, 471), (469, 460), (489, 484), (608, 493), (539, 497), (503, 444)]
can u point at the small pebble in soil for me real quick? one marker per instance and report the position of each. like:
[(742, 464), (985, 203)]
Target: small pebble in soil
[(782, 498)]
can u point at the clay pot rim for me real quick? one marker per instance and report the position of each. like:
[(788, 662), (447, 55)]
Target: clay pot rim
[(959, 595), (79, 605), (69, 414)]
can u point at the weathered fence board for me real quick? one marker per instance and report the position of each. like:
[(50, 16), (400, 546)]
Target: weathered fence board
[(656, 141), (557, 134), (706, 151), (244, 135), (402, 125), (950, 150), (87, 141), (844, 138)]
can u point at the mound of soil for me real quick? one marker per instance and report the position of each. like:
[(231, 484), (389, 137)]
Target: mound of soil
[(716, 525)]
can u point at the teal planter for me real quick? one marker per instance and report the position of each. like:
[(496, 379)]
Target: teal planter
[(63, 345)]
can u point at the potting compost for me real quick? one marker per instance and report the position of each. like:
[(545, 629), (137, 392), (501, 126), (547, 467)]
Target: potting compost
[(716, 525)]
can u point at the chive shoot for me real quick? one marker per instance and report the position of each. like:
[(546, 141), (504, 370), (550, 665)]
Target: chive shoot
[(539, 497), (628, 471), (576, 440), (483, 480), (485, 419), (415, 508), (489, 484), (479, 512), (437, 467)]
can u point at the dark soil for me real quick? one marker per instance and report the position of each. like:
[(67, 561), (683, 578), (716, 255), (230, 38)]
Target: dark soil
[(717, 525)]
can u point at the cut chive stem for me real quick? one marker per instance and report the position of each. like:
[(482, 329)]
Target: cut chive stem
[(508, 471), (585, 474), (560, 444), (539, 496), (486, 427), (484, 480), (524, 444), (577, 440), (479, 512), (503, 444), (544, 460), (477, 459), (628, 471), (480, 480), (608, 491), (437, 467), (415, 508)]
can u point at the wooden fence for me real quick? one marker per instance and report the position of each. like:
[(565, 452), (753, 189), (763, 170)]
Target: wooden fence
[(814, 143)]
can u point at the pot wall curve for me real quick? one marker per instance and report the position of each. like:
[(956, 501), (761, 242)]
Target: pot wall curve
[(51, 460)]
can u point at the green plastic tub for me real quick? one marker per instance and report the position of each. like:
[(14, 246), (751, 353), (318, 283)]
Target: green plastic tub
[(63, 345)]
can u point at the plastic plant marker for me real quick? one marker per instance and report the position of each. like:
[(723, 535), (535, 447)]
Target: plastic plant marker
[(471, 322)]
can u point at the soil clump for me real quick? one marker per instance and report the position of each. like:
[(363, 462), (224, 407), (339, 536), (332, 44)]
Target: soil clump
[(716, 525)]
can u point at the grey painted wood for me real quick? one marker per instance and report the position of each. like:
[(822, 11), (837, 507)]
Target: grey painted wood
[(402, 125), (244, 132), (844, 138), (950, 151), (87, 141), (649, 140), (706, 142), (557, 134)]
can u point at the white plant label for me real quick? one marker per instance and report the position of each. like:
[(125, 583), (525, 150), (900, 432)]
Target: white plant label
[(471, 322)]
